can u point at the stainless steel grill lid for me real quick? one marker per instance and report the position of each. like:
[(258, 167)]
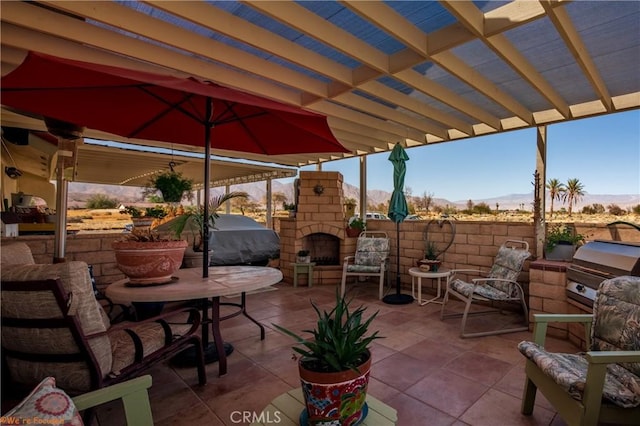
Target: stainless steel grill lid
[(597, 261)]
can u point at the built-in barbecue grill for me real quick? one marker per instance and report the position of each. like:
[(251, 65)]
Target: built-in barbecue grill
[(597, 261)]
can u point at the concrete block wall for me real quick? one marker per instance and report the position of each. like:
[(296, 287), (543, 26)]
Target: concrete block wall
[(548, 281), (474, 246), (94, 249)]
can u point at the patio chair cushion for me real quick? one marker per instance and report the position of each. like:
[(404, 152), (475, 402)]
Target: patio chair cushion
[(616, 322), (370, 254), (621, 386), (151, 336), (488, 291), (91, 317), (507, 265), (46, 404), (16, 254)]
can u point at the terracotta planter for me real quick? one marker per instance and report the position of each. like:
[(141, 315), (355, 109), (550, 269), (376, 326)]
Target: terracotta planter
[(429, 265), (353, 232), (335, 398), (149, 262)]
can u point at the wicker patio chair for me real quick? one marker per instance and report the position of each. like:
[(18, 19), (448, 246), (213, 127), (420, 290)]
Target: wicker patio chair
[(52, 325)]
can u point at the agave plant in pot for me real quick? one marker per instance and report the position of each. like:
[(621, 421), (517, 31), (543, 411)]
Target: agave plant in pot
[(194, 220), (334, 366)]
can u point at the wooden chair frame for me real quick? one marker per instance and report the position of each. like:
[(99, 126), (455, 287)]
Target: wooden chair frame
[(133, 393), (592, 410)]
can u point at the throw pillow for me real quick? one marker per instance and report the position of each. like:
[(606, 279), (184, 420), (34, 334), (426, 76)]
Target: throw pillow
[(46, 404)]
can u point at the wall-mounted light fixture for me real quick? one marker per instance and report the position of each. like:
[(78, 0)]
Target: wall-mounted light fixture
[(318, 189), (12, 172)]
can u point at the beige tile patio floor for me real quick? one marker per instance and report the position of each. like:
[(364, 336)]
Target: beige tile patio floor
[(422, 368)]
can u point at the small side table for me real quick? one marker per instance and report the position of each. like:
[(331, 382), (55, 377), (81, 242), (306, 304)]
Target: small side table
[(303, 268), (420, 274), (286, 409)]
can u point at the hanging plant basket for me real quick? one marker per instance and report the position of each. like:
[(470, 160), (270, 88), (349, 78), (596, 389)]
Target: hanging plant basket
[(172, 185)]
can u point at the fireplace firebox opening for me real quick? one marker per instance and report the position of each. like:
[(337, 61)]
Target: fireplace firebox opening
[(324, 249)]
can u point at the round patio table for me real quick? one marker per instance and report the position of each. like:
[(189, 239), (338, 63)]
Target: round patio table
[(190, 285)]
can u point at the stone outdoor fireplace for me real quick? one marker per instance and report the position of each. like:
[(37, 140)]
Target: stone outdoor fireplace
[(319, 226)]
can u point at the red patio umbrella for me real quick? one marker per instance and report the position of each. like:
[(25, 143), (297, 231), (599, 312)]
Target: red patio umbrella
[(149, 106), (143, 105)]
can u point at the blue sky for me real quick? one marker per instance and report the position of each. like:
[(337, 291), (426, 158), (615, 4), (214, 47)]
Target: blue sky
[(602, 152)]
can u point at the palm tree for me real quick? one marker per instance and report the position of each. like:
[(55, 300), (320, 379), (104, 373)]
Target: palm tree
[(556, 192), (574, 192)]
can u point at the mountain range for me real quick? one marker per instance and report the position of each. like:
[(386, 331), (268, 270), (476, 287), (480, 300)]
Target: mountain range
[(79, 193)]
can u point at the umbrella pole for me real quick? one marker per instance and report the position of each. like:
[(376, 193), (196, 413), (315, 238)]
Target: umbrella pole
[(207, 179), (398, 298)]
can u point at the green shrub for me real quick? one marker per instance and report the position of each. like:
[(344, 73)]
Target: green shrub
[(616, 210), (101, 201), (594, 208)]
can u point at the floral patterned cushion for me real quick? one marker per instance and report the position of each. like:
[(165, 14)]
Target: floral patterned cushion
[(616, 323), (363, 268), (621, 386), (507, 266), (616, 327), (371, 252), (487, 291)]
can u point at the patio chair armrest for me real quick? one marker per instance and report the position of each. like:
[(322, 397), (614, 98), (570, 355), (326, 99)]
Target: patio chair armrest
[(348, 258), (194, 316), (612, 357), (541, 321), (454, 272), (503, 280), (134, 395), (597, 370)]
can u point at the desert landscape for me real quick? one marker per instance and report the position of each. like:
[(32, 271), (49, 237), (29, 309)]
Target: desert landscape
[(111, 220)]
